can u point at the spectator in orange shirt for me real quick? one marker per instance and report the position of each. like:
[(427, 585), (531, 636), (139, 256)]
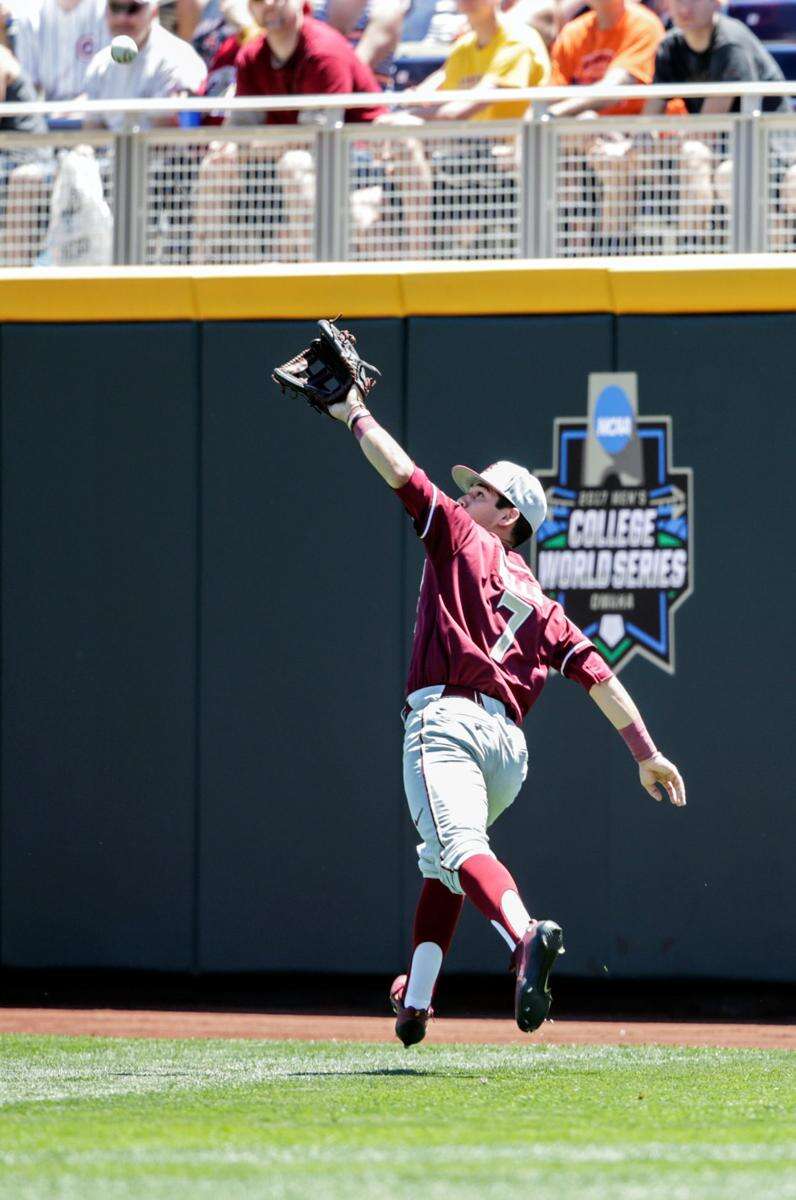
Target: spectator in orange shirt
[(614, 44)]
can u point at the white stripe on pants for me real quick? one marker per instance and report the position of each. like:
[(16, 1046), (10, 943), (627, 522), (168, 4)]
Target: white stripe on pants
[(463, 767)]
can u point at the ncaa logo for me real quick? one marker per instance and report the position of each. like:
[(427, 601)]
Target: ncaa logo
[(616, 546), (86, 47), (613, 419)]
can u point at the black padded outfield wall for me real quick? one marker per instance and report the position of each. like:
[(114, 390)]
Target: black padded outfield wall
[(207, 601), (300, 821), (99, 561)]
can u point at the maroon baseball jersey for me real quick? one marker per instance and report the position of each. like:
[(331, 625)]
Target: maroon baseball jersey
[(483, 621), (323, 63)]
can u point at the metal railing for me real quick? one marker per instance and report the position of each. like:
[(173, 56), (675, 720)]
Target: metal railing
[(540, 187)]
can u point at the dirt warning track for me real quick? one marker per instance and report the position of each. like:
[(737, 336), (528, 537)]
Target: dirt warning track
[(308, 1027)]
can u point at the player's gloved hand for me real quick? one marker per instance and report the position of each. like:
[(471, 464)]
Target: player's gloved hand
[(324, 372), (660, 777)]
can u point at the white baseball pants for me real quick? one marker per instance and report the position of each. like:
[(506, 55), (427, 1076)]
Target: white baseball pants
[(463, 766)]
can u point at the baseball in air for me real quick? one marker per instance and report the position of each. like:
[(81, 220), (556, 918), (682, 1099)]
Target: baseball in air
[(123, 49)]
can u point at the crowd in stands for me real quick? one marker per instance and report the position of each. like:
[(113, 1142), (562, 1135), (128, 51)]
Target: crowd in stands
[(59, 50)]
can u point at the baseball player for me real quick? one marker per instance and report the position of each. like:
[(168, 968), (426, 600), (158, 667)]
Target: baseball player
[(485, 638)]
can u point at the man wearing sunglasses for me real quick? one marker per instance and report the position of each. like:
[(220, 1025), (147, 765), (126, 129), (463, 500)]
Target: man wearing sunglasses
[(165, 66)]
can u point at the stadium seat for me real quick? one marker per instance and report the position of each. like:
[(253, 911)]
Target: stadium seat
[(770, 20), (785, 54)]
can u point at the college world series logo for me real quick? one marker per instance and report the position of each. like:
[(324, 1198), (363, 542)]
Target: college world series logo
[(616, 548)]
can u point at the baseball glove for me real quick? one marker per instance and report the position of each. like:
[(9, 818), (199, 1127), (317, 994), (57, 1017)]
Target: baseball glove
[(325, 372)]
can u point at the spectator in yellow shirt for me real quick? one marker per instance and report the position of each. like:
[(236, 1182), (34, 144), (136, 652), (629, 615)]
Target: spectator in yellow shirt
[(498, 51)]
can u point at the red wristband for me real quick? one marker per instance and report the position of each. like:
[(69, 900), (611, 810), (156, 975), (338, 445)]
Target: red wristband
[(361, 424), (638, 741)]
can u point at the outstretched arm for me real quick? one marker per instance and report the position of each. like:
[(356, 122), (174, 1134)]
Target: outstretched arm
[(379, 447), (614, 701)]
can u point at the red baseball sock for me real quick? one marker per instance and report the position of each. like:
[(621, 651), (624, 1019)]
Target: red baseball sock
[(493, 891), (436, 917)]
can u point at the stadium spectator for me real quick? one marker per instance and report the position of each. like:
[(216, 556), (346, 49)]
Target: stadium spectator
[(22, 172), (295, 55), (298, 55), (56, 40), (706, 46), (432, 26), (612, 45), (495, 52), (165, 66)]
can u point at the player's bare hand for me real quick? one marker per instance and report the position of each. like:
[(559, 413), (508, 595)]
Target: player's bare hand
[(344, 410), (661, 779)]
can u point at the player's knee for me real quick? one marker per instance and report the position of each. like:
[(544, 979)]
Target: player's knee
[(459, 849), (428, 861)]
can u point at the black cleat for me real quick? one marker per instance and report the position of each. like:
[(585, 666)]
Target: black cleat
[(410, 1023), (534, 959)]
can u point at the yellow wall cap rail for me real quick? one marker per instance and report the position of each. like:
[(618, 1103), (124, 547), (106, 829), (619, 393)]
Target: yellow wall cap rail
[(698, 284)]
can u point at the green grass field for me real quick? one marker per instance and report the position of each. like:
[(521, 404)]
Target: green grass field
[(89, 1118)]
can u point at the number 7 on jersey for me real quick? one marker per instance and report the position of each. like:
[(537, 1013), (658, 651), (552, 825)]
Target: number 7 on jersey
[(520, 611)]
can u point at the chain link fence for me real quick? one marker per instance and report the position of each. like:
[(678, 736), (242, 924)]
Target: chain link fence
[(392, 191), (624, 187), (229, 196), (778, 199), (450, 194)]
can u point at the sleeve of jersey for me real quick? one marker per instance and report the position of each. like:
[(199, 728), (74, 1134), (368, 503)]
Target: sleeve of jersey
[(440, 523), (572, 654)]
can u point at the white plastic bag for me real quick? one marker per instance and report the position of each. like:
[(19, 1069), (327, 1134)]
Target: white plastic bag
[(81, 223)]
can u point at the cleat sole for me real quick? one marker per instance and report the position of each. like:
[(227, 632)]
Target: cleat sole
[(533, 1003)]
